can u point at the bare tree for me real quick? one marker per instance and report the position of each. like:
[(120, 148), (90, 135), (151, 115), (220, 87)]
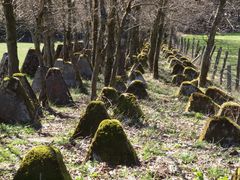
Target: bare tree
[(13, 62), (207, 55)]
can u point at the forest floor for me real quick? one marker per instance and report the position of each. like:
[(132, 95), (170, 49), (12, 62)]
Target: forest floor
[(167, 144)]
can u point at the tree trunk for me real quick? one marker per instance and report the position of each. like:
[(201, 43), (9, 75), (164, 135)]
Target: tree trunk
[(13, 62), (207, 55), (119, 38), (99, 48), (153, 40), (110, 42), (94, 30), (159, 39)]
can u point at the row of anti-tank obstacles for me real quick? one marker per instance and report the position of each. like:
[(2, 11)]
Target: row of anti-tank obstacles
[(223, 125), (109, 141), (107, 132)]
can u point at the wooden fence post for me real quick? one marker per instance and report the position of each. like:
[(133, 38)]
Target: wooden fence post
[(223, 67), (219, 53), (229, 78), (193, 47), (188, 46), (238, 71), (198, 49)]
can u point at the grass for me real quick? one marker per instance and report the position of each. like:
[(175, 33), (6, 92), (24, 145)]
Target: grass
[(167, 144), (22, 50), (229, 42)]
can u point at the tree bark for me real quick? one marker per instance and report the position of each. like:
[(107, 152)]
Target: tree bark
[(119, 38), (99, 48), (207, 55), (110, 42), (159, 39), (153, 40), (13, 62)]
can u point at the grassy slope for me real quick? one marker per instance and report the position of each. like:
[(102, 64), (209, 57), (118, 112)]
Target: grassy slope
[(22, 50), (167, 145)]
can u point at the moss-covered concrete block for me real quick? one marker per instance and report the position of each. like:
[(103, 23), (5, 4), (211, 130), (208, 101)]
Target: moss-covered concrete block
[(177, 69), (138, 88), (128, 107), (201, 103), (190, 73), (178, 79), (218, 95), (187, 89), (120, 85), (90, 120), (221, 130), (16, 106), (230, 110), (109, 96), (42, 162), (110, 145)]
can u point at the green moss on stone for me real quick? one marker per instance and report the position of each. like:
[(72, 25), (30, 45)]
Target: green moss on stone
[(196, 81), (138, 88), (221, 130), (109, 96), (128, 107), (42, 162), (230, 110), (89, 122), (201, 103), (218, 95), (110, 145)]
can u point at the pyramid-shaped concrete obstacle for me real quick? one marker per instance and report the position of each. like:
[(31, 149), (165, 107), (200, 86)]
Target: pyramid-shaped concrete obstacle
[(187, 89), (230, 110), (138, 88), (128, 107), (110, 145), (56, 88), (16, 106), (31, 63), (89, 122), (109, 96), (42, 162), (221, 130), (218, 95), (201, 103)]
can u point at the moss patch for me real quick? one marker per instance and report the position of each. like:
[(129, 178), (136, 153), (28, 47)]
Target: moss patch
[(221, 130), (230, 110), (109, 96), (42, 162), (89, 122), (128, 107), (201, 103), (218, 95), (174, 61), (138, 88), (196, 81), (110, 145)]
